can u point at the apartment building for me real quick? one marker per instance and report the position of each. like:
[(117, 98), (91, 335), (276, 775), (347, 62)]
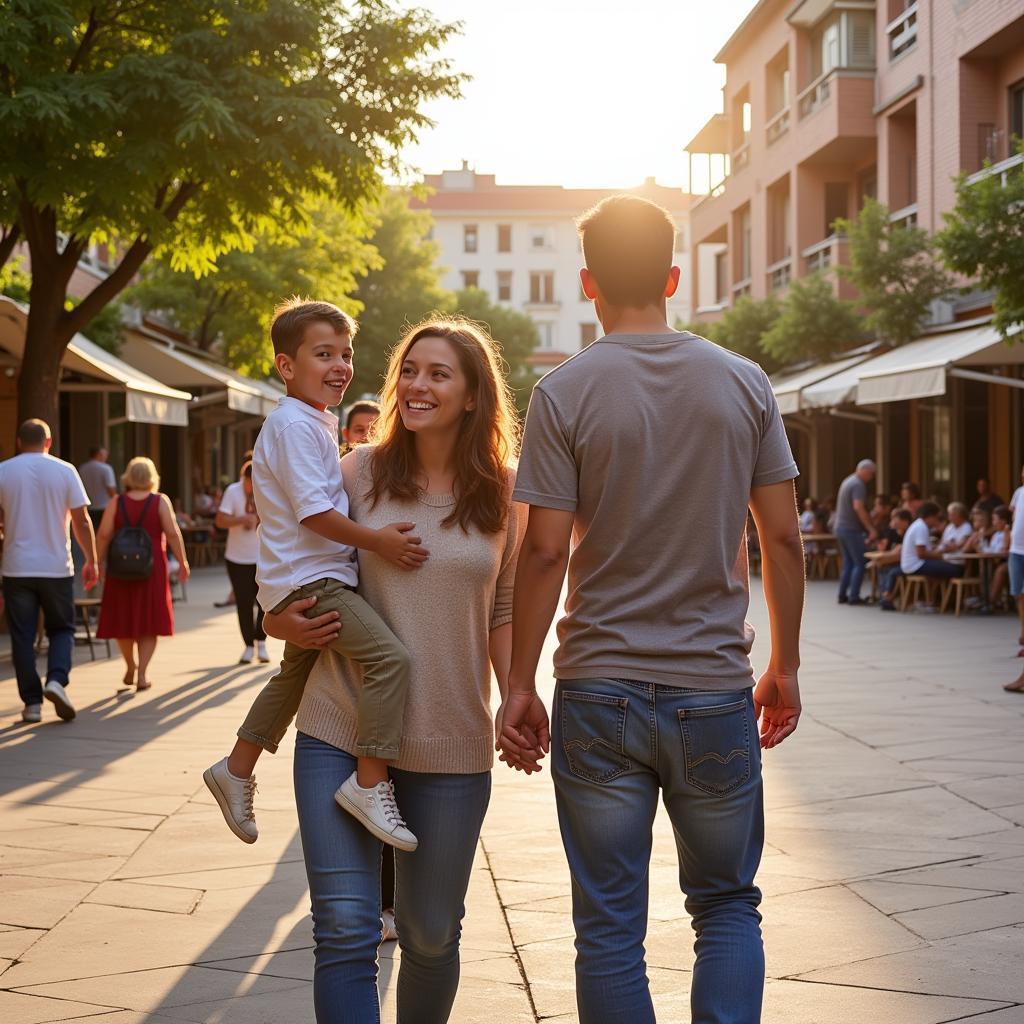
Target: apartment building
[(828, 102), (519, 244)]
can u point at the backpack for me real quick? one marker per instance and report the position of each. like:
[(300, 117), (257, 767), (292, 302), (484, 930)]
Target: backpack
[(130, 556)]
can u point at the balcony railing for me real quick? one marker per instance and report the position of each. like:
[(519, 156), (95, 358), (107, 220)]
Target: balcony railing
[(823, 254), (1003, 168), (902, 32), (905, 217), (777, 126), (815, 96), (740, 158), (741, 288), (779, 274)]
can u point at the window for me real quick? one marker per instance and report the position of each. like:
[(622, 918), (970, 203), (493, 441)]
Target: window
[(830, 48), (743, 246), (588, 334), (471, 279), (546, 330), (470, 237), (680, 243), (1017, 110), (541, 236), (542, 286), (721, 276), (504, 238), (504, 285), (836, 204)]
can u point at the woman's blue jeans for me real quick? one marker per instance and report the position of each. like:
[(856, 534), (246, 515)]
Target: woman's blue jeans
[(617, 746), (343, 867)]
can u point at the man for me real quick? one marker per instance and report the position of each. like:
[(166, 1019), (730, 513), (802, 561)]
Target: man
[(918, 557), (958, 530), (987, 501), (99, 481), (654, 678), (38, 493), (881, 513), (910, 497), (889, 563), (852, 523), (358, 422), (1015, 564)]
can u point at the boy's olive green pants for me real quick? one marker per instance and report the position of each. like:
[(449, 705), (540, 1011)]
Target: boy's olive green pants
[(366, 640)]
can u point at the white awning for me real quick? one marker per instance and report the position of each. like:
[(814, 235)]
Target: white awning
[(788, 390), (919, 370), (147, 400), (183, 369)]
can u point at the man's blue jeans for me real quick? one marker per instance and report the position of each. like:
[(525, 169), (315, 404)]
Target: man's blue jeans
[(343, 867), (851, 543), (24, 598), (616, 745)]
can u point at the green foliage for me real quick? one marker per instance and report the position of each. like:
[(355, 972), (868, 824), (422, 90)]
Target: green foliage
[(744, 325), (984, 238), (104, 329), (230, 309), (14, 282), (814, 323), (403, 288), (515, 332), (895, 270)]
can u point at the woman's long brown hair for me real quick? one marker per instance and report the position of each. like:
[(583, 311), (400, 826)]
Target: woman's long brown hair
[(488, 438)]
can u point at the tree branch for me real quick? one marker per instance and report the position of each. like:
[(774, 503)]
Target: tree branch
[(87, 37), (8, 240)]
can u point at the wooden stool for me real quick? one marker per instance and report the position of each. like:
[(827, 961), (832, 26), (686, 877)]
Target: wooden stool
[(959, 584), (916, 588), (83, 609)]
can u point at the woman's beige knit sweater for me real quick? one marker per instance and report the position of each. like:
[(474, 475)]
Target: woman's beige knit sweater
[(443, 613)]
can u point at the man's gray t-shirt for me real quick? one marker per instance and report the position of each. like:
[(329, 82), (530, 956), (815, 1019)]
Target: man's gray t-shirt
[(850, 490), (97, 477), (654, 442)]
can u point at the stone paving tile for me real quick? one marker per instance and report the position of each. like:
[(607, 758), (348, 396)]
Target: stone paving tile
[(980, 915), (17, 1008), (892, 897), (168, 899)]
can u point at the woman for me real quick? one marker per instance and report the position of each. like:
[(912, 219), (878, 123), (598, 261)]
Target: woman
[(237, 515), (136, 612), (446, 442)]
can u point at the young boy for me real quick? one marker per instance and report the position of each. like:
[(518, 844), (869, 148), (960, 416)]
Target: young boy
[(308, 547)]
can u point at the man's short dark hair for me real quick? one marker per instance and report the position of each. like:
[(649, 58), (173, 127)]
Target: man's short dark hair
[(909, 485), (928, 509), (363, 406), (291, 319), (628, 244), (1004, 513), (904, 515), (95, 450), (33, 433)]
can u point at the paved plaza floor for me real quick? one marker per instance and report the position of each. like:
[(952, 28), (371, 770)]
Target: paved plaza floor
[(893, 874)]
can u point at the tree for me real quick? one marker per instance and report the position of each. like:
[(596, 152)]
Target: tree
[(231, 307), (402, 289), (814, 323), (744, 325), (515, 332), (186, 129), (895, 270), (984, 239)]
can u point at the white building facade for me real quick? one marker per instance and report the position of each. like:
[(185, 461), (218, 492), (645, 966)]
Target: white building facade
[(519, 244)]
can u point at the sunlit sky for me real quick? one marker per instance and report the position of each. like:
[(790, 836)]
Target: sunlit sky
[(581, 94)]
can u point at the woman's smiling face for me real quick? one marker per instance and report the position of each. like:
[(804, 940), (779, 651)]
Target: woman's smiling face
[(433, 392)]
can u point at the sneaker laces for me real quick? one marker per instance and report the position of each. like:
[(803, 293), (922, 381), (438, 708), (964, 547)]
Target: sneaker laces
[(250, 796), (389, 805)]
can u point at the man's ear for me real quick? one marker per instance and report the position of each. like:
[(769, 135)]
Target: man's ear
[(672, 283), (284, 366), (588, 284)]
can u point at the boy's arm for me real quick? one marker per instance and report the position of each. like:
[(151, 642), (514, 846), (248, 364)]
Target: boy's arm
[(395, 542)]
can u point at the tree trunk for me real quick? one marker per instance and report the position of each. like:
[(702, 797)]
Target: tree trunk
[(45, 344)]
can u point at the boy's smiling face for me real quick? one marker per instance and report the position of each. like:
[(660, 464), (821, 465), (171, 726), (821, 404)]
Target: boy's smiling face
[(321, 368)]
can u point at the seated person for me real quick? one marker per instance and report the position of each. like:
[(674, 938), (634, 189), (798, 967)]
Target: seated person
[(998, 543), (981, 529), (958, 529), (917, 556), (881, 513), (807, 519), (910, 497), (889, 565)]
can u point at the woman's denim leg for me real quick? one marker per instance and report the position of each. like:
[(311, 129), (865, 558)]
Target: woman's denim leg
[(343, 868), (446, 813)]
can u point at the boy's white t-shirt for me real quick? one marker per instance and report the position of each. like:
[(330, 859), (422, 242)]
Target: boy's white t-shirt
[(917, 534), (1017, 534), (296, 473), (956, 534), (996, 544), (243, 545)]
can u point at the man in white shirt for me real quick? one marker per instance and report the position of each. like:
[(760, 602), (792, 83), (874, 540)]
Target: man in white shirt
[(917, 557), (1016, 563), (100, 483), (38, 495), (958, 530)]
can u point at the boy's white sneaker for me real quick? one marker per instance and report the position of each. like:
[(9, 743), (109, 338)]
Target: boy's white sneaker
[(261, 651), (389, 930), (378, 812), (32, 713), (247, 656), (54, 691), (235, 797)]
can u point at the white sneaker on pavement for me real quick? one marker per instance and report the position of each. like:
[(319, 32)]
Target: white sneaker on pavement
[(389, 930), (378, 812), (235, 797), (32, 713), (54, 691), (261, 651), (247, 656)]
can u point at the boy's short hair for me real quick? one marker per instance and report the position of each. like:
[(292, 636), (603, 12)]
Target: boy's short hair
[(1004, 513), (627, 245), (904, 515), (927, 510), (291, 319), (364, 405)]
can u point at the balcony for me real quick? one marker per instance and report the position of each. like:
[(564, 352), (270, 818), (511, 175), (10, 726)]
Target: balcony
[(815, 96), (741, 288), (837, 123), (777, 126), (902, 32), (779, 274), (829, 252), (740, 158), (906, 217), (1002, 169)]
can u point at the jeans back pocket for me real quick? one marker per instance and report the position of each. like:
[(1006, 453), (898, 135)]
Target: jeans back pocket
[(593, 733), (716, 746)]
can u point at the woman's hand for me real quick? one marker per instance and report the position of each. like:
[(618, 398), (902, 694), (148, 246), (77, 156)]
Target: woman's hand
[(293, 626), (183, 571)]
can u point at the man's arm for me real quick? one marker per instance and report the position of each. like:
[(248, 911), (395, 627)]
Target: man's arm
[(81, 524), (777, 694), (865, 520)]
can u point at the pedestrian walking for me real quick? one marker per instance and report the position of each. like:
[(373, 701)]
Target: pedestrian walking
[(853, 524), (237, 514), (100, 483), (653, 693), (39, 495), (135, 611)]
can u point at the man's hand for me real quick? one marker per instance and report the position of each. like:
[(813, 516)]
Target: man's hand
[(251, 521), (525, 735), (777, 706), (183, 572), (90, 575), (293, 626), (397, 544)]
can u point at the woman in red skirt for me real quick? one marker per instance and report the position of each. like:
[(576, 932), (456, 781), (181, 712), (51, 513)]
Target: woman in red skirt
[(136, 612)]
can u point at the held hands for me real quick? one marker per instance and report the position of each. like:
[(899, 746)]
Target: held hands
[(523, 732), (777, 706), (397, 544), (90, 575), (183, 571)]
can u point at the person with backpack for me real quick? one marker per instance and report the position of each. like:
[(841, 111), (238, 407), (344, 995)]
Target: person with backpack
[(132, 549)]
